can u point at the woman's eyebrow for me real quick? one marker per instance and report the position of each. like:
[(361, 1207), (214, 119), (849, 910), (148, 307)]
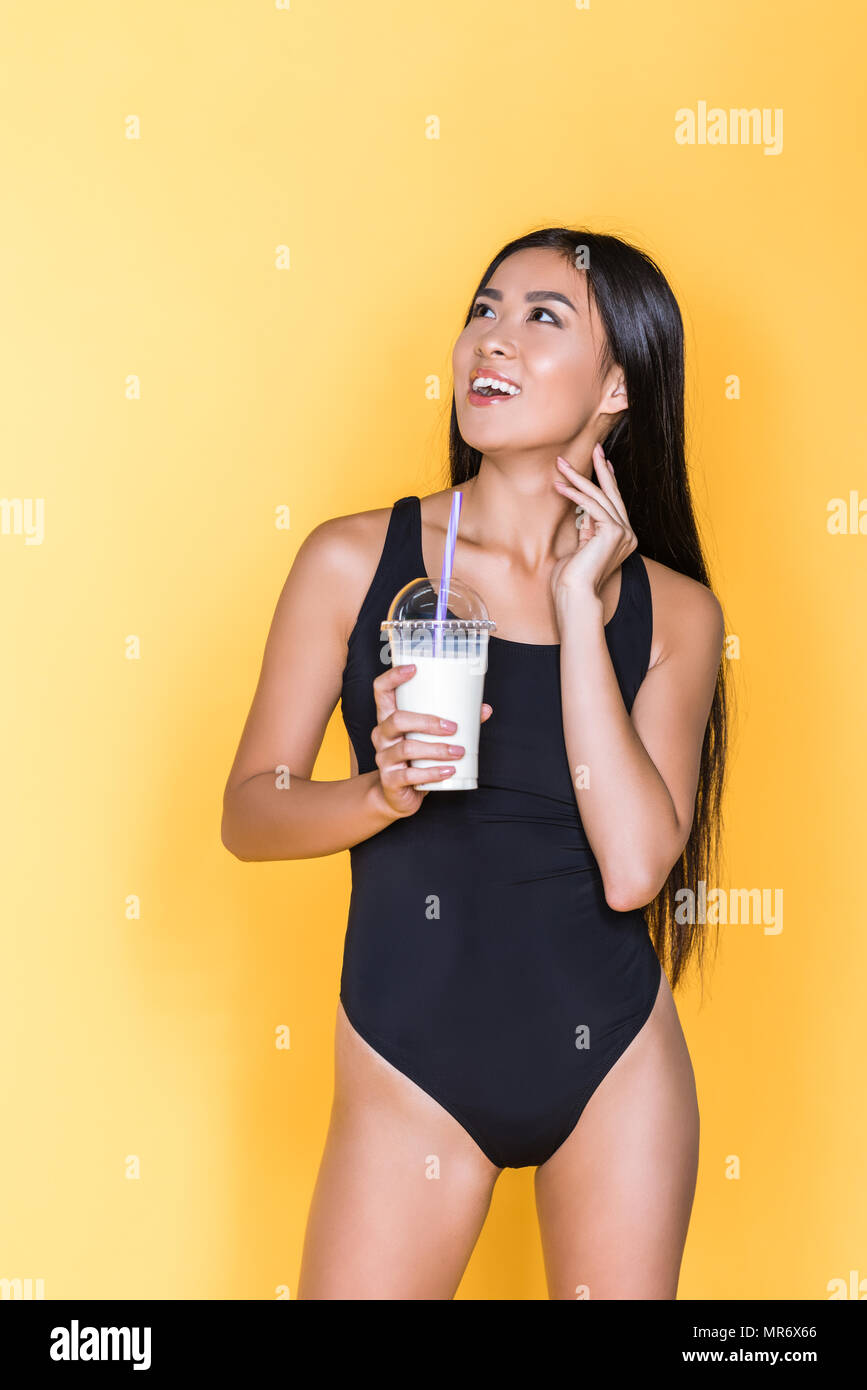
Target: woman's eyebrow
[(531, 297)]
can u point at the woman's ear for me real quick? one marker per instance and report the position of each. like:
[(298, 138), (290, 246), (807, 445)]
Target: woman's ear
[(617, 395)]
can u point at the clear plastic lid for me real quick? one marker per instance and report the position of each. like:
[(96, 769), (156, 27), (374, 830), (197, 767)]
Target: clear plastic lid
[(415, 606)]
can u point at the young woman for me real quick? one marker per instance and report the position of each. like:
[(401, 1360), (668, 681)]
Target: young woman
[(503, 1001)]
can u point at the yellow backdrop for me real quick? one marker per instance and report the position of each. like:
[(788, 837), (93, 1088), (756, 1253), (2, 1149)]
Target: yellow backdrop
[(238, 242)]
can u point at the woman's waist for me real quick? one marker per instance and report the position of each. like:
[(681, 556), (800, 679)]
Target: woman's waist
[(507, 835), (495, 804), (450, 814)]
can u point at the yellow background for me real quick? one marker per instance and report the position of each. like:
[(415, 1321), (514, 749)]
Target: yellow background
[(304, 388)]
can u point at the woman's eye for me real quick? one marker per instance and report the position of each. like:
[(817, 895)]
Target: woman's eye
[(538, 310)]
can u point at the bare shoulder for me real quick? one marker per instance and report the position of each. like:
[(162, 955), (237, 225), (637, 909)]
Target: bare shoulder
[(686, 614), (345, 541), (340, 556)]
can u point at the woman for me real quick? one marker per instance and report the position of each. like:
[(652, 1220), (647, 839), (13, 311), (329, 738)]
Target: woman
[(502, 998)]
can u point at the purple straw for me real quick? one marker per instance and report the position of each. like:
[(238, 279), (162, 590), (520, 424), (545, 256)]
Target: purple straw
[(448, 560)]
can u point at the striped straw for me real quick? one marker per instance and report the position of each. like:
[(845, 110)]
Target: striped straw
[(448, 561)]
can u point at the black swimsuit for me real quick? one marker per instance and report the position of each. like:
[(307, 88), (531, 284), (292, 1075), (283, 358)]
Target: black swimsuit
[(481, 958)]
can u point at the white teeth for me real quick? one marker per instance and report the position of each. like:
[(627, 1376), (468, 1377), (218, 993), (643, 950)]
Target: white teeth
[(496, 384)]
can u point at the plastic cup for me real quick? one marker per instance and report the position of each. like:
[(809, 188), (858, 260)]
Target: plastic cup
[(451, 659)]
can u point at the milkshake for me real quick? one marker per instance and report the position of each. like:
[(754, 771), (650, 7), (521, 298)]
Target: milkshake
[(450, 655)]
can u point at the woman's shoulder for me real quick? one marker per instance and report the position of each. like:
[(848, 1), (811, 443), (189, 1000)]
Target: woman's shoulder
[(684, 610), (356, 538), (347, 541), (340, 555)]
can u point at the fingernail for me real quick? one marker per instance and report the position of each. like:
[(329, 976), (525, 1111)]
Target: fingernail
[(448, 724)]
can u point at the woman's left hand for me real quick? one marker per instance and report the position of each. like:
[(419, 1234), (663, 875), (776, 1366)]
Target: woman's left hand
[(605, 537)]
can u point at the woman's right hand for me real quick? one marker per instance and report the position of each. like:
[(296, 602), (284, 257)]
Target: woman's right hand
[(394, 750)]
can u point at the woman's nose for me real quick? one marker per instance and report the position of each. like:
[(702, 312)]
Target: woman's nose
[(496, 340)]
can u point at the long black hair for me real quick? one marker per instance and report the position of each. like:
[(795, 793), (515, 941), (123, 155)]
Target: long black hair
[(644, 336)]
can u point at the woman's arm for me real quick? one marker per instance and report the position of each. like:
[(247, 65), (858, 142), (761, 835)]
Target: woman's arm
[(268, 814), (643, 769)]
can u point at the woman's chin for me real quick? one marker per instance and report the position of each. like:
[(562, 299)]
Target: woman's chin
[(487, 435)]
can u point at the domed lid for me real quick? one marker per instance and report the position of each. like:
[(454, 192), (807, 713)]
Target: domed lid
[(416, 605)]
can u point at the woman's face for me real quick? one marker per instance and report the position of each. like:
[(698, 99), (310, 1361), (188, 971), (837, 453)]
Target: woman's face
[(533, 325)]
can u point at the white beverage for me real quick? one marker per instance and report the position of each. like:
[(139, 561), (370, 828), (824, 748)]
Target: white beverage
[(450, 687), (450, 655)]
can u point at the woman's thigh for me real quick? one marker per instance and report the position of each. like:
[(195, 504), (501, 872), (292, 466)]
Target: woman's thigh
[(402, 1190), (614, 1201)]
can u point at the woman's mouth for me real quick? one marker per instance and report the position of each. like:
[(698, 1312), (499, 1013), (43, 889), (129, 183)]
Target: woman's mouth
[(487, 390)]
